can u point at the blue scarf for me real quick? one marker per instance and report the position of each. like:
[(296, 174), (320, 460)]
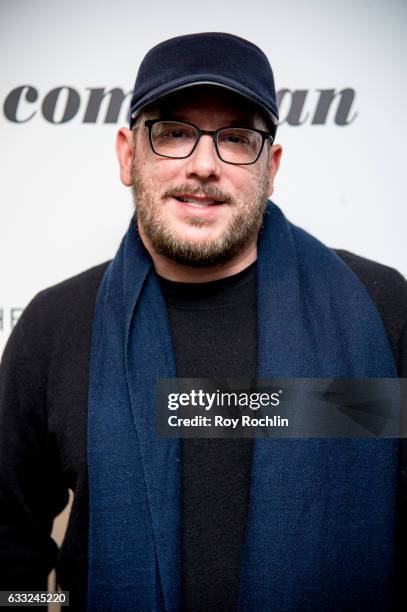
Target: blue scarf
[(321, 522)]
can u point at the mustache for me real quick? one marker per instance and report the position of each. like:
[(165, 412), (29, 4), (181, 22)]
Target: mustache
[(208, 191)]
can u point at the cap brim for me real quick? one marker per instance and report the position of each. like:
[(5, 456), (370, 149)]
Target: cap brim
[(172, 87)]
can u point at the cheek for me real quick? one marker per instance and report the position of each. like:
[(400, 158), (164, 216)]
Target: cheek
[(166, 172), (151, 175), (245, 181), (153, 171)]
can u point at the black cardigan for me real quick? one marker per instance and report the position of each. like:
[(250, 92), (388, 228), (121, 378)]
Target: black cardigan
[(43, 424)]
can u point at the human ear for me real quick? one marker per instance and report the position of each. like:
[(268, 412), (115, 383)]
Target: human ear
[(124, 151), (273, 165)]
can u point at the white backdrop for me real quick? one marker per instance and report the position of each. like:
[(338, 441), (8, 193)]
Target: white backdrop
[(63, 208)]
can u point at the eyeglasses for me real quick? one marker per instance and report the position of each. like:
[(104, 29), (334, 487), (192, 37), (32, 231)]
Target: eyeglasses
[(178, 140)]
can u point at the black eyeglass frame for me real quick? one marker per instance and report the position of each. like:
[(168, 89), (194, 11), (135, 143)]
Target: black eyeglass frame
[(214, 133)]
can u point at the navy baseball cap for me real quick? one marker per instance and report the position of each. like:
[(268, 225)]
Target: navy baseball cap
[(208, 58)]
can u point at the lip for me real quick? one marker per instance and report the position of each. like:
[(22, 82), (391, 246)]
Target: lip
[(199, 198), (207, 204)]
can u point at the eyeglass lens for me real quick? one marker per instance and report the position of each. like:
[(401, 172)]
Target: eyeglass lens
[(175, 139)]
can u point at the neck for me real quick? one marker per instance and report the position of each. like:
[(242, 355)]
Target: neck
[(171, 270)]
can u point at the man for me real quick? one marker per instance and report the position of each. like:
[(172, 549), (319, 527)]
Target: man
[(210, 281)]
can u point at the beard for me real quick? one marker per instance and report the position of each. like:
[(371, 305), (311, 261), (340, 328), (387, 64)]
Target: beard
[(242, 228)]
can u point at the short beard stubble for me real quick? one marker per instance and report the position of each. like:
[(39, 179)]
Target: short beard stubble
[(245, 224)]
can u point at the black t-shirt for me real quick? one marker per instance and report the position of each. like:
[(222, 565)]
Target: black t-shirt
[(213, 327)]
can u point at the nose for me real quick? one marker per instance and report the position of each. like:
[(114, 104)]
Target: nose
[(204, 162)]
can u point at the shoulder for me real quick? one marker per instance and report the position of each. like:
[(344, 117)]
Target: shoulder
[(59, 316), (66, 299), (388, 290), (72, 293), (52, 337), (379, 277), (386, 286)]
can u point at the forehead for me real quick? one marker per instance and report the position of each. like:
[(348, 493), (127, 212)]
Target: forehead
[(211, 103)]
